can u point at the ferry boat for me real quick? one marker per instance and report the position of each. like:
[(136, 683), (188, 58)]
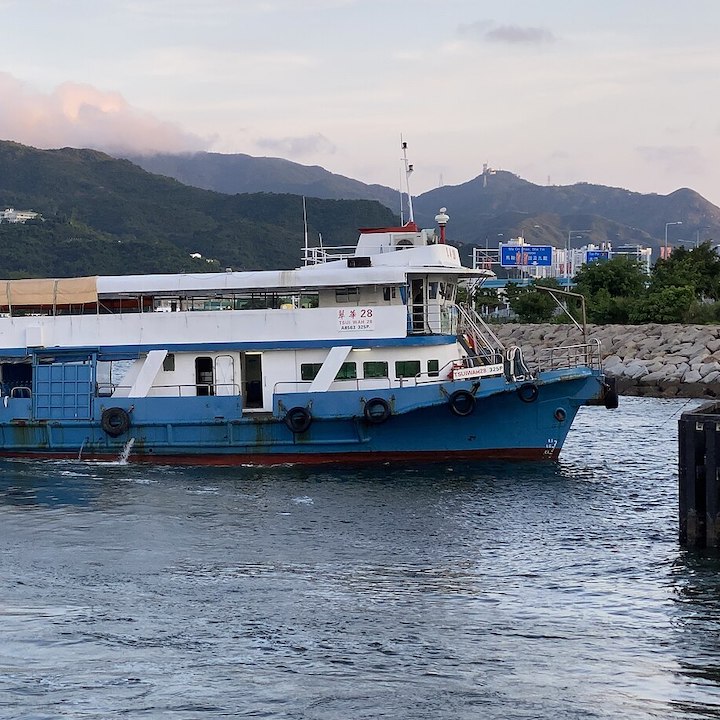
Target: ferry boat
[(362, 354)]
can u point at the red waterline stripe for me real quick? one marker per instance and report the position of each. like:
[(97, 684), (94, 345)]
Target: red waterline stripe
[(302, 458)]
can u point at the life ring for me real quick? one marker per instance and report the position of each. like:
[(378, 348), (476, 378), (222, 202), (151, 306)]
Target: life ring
[(376, 410), (298, 419), (115, 421), (462, 403), (528, 392)]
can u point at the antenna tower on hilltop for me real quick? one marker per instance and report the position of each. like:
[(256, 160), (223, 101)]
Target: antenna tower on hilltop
[(486, 171)]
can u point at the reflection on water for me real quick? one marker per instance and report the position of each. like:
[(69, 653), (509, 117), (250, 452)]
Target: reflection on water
[(507, 590), (695, 618)]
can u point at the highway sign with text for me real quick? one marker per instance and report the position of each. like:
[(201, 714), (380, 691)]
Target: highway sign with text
[(526, 255)]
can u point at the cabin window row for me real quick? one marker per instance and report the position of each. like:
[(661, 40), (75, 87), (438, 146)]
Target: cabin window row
[(372, 369)]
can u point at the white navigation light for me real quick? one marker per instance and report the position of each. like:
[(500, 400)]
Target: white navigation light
[(441, 219)]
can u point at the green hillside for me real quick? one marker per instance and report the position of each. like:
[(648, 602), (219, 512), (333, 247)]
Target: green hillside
[(108, 216)]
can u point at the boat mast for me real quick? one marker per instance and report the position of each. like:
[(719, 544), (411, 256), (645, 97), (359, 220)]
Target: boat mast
[(408, 171), (306, 231)]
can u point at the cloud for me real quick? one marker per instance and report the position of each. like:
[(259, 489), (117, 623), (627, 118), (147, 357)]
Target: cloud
[(77, 115), (297, 146), (675, 159), (487, 31)]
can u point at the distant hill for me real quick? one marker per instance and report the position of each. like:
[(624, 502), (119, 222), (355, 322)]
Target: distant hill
[(483, 211), (612, 214), (103, 215), (106, 215), (240, 173)]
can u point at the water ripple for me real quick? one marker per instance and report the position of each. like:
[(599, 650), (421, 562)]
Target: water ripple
[(501, 590)]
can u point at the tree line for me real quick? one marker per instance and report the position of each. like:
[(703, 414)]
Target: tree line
[(682, 288)]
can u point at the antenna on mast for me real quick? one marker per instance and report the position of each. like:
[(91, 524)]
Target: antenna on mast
[(408, 171), (306, 231)]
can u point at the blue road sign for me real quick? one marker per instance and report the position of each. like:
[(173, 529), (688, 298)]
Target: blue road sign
[(595, 255), (526, 255)]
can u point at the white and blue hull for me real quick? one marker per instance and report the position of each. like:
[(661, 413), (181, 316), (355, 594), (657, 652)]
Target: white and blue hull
[(421, 425), (368, 357)]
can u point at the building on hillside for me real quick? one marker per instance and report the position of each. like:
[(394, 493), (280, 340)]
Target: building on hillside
[(10, 215)]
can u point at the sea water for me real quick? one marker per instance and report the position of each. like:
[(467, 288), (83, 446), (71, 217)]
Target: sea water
[(444, 592)]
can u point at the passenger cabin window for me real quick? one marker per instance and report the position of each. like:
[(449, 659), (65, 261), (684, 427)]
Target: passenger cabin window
[(347, 371), (389, 293), (433, 368), (346, 295), (309, 371), (407, 368), (375, 369), (169, 363)]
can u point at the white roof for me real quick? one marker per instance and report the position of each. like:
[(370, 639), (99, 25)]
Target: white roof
[(329, 274)]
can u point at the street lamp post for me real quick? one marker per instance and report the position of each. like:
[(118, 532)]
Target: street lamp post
[(567, 251), (667, 225), (697, 234)]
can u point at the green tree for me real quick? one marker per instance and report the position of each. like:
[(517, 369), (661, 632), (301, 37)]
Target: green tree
[(621, 277), (530, 304), (697, 268), (611, 288), (666, 305), (486, 300)]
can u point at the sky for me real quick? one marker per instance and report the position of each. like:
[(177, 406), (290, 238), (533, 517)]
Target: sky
[(623, 93)]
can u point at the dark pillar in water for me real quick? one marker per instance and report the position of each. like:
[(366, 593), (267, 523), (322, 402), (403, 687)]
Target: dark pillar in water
[(699, 476)]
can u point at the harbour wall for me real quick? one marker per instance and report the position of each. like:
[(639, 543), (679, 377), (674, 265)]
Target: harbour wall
[(646, 360)]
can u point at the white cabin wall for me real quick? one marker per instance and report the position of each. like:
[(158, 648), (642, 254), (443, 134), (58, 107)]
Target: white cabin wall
[(181, 380), (279, 366), (201, 327)]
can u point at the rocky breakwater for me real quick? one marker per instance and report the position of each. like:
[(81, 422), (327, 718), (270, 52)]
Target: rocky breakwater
[(646, 360)]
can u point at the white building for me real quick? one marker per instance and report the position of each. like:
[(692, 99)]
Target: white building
[(562, 263), (11, 215)]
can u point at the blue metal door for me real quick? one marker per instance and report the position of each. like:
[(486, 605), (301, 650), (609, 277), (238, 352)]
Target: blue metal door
[(62, 391)]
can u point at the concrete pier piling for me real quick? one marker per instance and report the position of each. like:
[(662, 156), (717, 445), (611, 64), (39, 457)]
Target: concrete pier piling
[(699, 476)]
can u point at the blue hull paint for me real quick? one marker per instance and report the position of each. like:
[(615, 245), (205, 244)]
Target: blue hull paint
[(213, 430)]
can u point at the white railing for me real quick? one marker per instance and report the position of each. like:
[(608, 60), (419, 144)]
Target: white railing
[(187, 390), (289, 386), (482, 339), (319, 255)]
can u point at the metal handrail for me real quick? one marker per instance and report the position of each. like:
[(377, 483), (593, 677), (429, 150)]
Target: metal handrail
[(472, 324), (112, 387), (586, 354), (349, 384)]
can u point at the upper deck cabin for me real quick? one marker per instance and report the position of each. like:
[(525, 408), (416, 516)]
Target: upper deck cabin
[(384, 262)]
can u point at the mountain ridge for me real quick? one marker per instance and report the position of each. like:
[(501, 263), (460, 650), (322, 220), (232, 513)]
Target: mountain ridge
[(104, 215), (478, 206)]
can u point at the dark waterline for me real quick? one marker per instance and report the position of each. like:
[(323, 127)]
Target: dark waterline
[(445, 592)]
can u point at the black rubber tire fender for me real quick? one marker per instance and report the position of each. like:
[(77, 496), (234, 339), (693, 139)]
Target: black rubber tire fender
[(115, 421), (377, 410), (298, 419), (462, 403), (528, 392)]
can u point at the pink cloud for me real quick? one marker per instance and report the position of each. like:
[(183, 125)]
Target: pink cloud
[(76, 115)]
